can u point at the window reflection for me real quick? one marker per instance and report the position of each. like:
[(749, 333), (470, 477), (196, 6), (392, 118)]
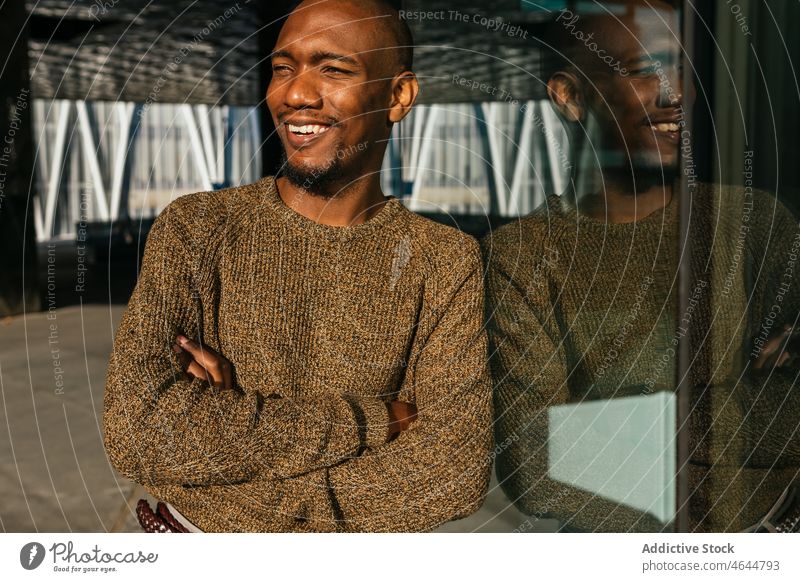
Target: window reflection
[(589, 309)]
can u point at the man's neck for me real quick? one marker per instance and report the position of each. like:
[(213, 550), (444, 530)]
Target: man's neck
[(626, 200), (356, 204)]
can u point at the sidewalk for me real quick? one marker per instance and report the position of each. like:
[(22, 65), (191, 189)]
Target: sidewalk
[(55, 476)]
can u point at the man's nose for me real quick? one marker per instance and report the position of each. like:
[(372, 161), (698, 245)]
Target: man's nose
[(302, 92), (671, 88)]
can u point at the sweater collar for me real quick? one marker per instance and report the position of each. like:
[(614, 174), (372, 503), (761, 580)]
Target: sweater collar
[(658, 220), (292, 219)]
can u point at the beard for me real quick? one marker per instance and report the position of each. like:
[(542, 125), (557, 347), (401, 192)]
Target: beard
[(318, 181), (651, 166)]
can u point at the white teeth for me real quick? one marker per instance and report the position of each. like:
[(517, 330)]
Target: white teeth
[(666, 127), (308, 129)]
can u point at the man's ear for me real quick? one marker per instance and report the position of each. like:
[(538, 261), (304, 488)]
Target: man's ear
[(564, 92), (405, 89)]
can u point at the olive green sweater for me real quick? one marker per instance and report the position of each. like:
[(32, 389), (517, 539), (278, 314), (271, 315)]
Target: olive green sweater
[(323, 326), (583, 309)]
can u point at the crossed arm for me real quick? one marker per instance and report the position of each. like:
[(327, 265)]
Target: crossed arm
[(203, 363)]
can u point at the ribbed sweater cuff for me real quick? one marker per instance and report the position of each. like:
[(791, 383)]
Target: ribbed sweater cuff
[(376, 420)]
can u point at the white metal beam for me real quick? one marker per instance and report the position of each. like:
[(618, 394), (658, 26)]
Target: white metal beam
[(204, 124), (197, 146), (54, 176), (255, 135), (124, 116), (425, 146), (495, 157), (220, 123), (558, 171), (417, 130), (522, 161), (90, 157)]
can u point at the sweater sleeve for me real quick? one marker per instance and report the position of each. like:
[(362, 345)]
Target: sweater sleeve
[(752, 418), (437, 470), (529, 369), (161, 427)]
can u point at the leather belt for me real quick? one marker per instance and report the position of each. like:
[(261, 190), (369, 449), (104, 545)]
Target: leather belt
[(159, 521)]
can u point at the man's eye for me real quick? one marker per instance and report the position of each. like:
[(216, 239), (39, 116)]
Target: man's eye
[(646, 71), (335, 71), (279, 68)]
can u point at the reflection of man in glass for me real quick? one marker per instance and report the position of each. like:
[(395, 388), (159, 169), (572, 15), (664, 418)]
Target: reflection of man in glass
[(345, 333), (584, 315)]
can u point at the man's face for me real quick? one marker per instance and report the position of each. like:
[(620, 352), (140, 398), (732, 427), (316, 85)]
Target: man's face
[(638, 110), (330, 91)]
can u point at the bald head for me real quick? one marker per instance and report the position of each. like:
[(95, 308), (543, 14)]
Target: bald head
[(340, 79), (621, 67), (587, 41), (389, 33)]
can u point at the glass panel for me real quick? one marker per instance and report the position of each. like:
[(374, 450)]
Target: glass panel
[(644, 317), (742, 296), (584, 290)]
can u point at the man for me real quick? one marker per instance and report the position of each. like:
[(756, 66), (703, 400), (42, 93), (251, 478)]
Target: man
[(335, 375), (585, 322)]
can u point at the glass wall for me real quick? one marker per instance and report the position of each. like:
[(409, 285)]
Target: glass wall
[(642, 304)]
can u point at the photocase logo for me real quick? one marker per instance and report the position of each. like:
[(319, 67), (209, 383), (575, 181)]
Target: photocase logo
[(31, 555)]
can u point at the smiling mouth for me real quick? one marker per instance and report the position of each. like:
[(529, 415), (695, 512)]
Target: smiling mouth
[(306, 130), (665, 127)]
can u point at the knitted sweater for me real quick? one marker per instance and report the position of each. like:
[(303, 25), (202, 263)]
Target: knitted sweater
[(583, 309), (323, 326)]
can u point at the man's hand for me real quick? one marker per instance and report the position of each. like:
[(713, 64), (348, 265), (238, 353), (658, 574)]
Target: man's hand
[(775, 353), (401, 415), (202, 362)]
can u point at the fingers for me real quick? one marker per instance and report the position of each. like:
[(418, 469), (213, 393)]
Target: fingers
[(763, 361), (190, 366), (766, 362), (197, 371), (774, 360), (402, 414), (774, 343), (773, 350), (206, 364), (203, 355), (183, 357)]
